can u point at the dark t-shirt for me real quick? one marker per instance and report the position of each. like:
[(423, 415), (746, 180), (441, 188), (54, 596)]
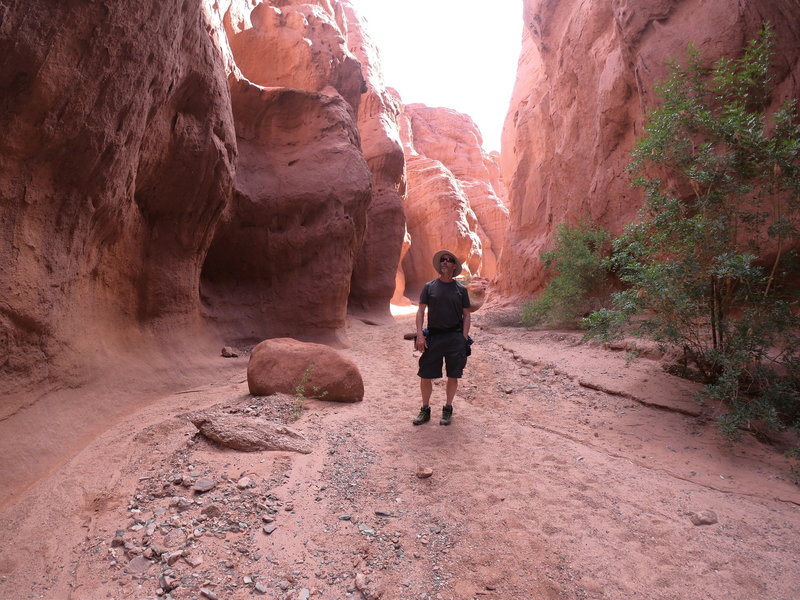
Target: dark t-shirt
[(446, 303)]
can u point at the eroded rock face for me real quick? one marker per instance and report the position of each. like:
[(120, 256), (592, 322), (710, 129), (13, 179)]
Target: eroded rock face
[(284, 365), (438, 216), (451, 197), (453, 139), (586, 78), (373, 282), (116, 162), (281, 264), (295, 44)]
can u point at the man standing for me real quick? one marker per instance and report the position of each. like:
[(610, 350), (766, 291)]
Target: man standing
[(447, 302)]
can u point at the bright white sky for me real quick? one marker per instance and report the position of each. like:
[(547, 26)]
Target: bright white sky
[(461, 54)]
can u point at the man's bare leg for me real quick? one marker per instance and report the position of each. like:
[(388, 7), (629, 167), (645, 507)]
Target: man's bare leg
[(426, 388), (452, 387)]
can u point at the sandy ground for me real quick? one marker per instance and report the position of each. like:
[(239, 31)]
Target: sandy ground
[(569, 472)]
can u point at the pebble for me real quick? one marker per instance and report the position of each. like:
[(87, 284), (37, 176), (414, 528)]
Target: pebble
[(193, 561), (207, 593), (138, 564), (261, 588), (424, 472), (268, 529), (204, 484), (244, 483), (304, 594), (704, 517), (212, 510)]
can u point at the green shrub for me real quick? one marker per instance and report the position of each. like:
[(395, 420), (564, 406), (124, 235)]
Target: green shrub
[(709, 266), (581, 277)]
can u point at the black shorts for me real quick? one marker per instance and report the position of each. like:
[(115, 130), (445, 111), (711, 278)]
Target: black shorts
[(450, 347)]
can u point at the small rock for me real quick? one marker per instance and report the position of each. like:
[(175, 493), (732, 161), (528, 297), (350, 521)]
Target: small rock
[(204, 484), (424, 472), (193, 561), (261, 588), (183, 504), (229, 352), (168, 582), (212, 510), (704, 517), (345, 518), (304, 594), (361, 582), (172, 557), (207, 593), (173, 539), (138, 565), (244, 483), (268, 529), (118, 540)]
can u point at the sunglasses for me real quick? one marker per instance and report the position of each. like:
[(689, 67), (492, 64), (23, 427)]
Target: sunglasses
[(447, 259)]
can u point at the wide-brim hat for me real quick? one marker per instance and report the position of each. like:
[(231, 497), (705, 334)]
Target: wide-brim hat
[(438, 256)]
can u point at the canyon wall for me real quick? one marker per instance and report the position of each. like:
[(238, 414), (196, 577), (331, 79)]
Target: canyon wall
[(177, 175), (374, 276), (586, 79), (281, 261), (117, 160), (454, 194)]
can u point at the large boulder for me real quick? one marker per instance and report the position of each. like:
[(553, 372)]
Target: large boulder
[(586, 79), (285, 365)]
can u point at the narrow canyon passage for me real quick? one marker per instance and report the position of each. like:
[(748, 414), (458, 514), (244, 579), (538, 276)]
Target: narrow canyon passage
[(542, 487)]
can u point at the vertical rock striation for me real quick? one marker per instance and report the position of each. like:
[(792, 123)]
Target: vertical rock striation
[(453, 196), (374, 276), (586, 79), (116, 162), (281, 263)]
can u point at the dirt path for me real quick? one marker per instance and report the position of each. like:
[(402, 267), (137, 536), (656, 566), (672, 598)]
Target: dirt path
[(542, 488)]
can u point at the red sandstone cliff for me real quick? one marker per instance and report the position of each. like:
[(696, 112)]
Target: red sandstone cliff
[(169, 166), (116, 161), (374, 275), (586, 78), (454, 194), (282, 259)]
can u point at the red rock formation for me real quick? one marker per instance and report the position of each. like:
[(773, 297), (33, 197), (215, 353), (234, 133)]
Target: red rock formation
[(452, 145), (586, 78), (374, 276), (438, 216), (453, 139), (281, 265), (116, 161), (295, 44)]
